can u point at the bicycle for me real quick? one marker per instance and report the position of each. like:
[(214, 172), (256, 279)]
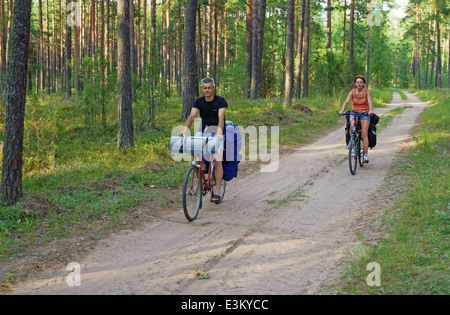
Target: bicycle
[(196, 185), (355, 146)]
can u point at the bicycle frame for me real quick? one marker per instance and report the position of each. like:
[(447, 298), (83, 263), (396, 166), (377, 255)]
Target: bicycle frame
[(354, 145), (206, 180)]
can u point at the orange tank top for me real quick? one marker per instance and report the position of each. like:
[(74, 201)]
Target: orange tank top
[(360, 104)]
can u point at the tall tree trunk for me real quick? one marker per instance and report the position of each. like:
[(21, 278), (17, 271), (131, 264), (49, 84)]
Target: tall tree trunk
[(199, 42), (107, 35), (48, 52), (298, 63), (255, 45), (132, 44), (68, 57), (329, 24), (53, 50), (368, 45), (248, 46), (433, 54), (306, 46), (350, 36), (448, 61), (77, 30), (417, 47), (145, 49), (438, 52), (125, 119), (3, 40), (289, 54), (91, 35), (11, 180), (61, 47), (41, 49), (190, 59), (428, 52), (260, 41), (153, 42), (236, 23), (345, 20), (2, 36)]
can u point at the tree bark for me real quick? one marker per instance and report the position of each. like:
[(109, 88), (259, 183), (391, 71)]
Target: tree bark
[(190, 59), (262, 19), (417, 48), (248, 46), (438, 52), (68, 57), (125, 119), (254, 76), (306, 52), (350, 36), (11, 180), (368, 46), (329, 24), (298, 66), (289, 81)]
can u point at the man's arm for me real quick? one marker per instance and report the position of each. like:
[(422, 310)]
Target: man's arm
[(189, 121), (221, 128)]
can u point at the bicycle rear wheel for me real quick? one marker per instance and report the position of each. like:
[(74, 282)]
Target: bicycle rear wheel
[(352, 156), (192, 193)]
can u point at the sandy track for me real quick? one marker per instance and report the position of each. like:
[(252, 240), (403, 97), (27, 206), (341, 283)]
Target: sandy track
[(294, 244)]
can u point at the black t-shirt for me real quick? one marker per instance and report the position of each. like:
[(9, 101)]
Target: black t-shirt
[(209, 111)]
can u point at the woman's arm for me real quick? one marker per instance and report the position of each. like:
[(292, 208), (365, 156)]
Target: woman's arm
[(347, 101)]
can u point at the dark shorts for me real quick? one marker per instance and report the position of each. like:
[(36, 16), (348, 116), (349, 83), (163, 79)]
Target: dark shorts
[(360, 116)]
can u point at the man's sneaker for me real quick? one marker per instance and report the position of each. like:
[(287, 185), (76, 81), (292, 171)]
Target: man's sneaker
[(366, 158)]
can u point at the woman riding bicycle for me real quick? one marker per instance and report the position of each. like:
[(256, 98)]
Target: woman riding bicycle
[(362, 102)]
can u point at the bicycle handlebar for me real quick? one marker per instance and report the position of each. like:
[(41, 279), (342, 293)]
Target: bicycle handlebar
[(349, 112)]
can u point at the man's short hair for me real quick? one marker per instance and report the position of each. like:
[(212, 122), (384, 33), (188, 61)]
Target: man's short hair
[(208, 80)]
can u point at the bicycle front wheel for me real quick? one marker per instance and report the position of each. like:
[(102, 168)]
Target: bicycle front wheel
[(352, 156), (192, 193), (360, 150)]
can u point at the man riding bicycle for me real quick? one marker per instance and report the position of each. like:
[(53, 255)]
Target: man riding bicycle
[(362, 102), (212, 111)]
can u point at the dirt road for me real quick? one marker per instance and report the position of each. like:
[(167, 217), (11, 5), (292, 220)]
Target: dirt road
[(286, 232)]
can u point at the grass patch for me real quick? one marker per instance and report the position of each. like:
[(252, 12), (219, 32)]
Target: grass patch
[(414, 257)]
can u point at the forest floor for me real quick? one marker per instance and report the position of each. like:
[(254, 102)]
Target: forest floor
[(283, 232)]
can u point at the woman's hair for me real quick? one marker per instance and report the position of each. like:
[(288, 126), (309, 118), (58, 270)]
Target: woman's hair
[(360, 77)]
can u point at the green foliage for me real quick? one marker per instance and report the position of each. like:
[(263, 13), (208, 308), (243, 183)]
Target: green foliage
[(331, 72), (381, 65)]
